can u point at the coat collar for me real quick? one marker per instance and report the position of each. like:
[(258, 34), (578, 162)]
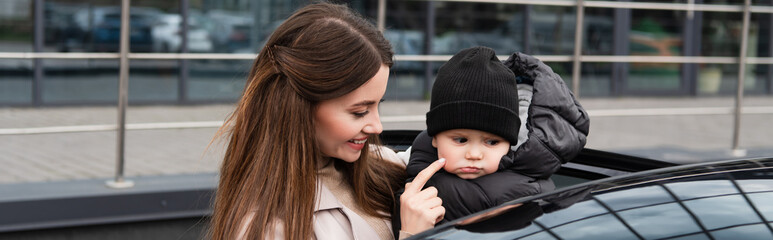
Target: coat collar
[(326, 200)]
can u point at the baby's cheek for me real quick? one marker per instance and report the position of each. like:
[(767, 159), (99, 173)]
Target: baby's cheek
[(489, 170)]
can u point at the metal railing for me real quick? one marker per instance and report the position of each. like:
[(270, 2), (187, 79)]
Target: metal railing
[(577, 58)]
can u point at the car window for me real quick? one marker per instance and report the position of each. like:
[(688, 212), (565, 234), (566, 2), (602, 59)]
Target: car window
[(725, 211), (594, 228), (637, 197), (660, 221), (761, 202), (756, 231), (580, 211), (690, 190)]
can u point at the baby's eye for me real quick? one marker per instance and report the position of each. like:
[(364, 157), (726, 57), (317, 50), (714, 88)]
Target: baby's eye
[(492, 142), (460, 139)]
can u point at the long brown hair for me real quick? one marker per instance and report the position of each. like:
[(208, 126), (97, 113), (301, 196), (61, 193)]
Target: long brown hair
[(321, 52)]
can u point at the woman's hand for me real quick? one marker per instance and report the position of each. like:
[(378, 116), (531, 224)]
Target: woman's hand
[(421, 209)]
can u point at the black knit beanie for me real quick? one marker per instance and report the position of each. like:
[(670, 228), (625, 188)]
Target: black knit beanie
[(474, 90)]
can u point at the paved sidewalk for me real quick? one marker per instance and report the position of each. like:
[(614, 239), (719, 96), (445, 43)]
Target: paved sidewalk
[(701, 134)]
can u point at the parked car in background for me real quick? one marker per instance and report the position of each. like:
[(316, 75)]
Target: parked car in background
[(167, 35), (721, 200), (407, 42), (107, 35), (99, 28), (58, 25), (231, 31)]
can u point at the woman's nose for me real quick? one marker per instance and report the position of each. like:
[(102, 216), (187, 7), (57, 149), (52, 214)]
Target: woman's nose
[(374, 125)]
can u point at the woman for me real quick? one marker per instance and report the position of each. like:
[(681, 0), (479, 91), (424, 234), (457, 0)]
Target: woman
[(301, 161)]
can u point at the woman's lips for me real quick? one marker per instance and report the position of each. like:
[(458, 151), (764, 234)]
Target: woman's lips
[(357, 144)]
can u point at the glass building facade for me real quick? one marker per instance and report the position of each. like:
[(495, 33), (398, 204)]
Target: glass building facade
[(65, 52)]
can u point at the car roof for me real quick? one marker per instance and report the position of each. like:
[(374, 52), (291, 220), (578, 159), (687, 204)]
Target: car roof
[(719, 200)]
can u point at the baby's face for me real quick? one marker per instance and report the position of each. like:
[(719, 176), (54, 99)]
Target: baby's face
[(470, 153)]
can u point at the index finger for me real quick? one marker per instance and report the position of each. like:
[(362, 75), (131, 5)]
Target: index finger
[(418, 182)]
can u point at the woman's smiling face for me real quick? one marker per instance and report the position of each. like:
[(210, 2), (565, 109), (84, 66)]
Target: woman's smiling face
[(344, 124)]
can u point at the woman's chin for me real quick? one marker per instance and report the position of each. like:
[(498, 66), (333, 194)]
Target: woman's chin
[(350, 157)]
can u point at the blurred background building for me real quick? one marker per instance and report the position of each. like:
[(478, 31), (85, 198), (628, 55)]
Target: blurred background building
[(659, 78), (416, 28)]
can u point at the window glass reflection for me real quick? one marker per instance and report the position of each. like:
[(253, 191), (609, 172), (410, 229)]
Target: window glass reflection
[(717, 212), (16, 81), (600, 227), (464, 25), (762, 202), (578, 211), (721, 34), (531, 229), (653, 77), (216, 80), (655, 33), (406, 80), (699, 236), (755, 79), (596, 79), (406, 42), (231, 29), (553, 30), (236, 26), (464, 234), (82, 81), (539, 236), (153, 80), (722, 79), (16, 26), (96, 27), (756, 185), (500, 234), (635, 197), (753, 232), (696, 189), (60, 30), (405, 26), (599, 31), (660, 221)]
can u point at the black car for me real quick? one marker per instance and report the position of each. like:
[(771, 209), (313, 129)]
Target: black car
[(720, 200)]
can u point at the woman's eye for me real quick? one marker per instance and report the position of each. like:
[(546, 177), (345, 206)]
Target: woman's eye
[(460, 140), (492, 142), (360, 114)]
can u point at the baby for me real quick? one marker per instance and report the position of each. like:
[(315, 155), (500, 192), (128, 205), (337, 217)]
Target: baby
[(475, 125)]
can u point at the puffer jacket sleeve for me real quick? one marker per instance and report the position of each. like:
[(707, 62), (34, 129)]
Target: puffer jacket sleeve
[(422, 154), (557, 123)]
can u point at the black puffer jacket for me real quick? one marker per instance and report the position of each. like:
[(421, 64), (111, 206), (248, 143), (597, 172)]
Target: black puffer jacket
[(557, 128), (557, 123), (462, 197)]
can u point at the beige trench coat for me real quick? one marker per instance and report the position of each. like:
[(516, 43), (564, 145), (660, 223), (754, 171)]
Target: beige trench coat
[(333, 220)]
